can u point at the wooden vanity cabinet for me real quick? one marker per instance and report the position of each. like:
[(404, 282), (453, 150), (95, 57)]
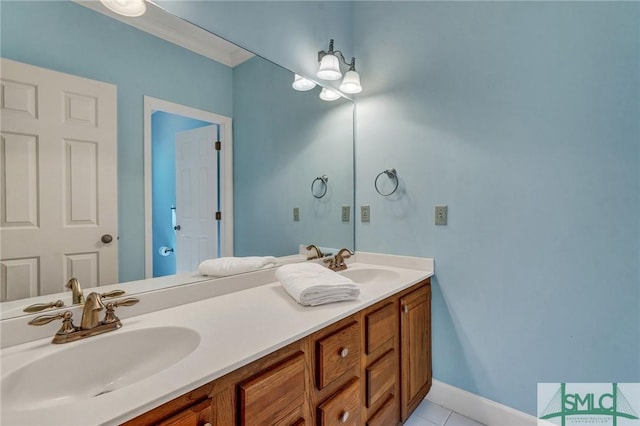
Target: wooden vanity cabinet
[(415, 348), (373, 368)]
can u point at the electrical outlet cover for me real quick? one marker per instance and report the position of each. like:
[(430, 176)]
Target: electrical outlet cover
[(365, 213), (346, 213), (441, 215)]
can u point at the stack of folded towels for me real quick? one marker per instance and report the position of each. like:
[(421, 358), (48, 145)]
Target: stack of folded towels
[(312, 284), (224, 266)]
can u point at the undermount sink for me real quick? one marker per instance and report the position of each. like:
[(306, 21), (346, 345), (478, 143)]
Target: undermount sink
[(96, 366), (370, 275)]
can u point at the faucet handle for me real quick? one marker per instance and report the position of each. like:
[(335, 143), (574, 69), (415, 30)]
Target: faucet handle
[(126, 302), (42, 306), (345, 253), (110, 315), (67, 322), (113, 293)]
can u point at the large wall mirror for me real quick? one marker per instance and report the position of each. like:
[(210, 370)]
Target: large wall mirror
[(282, 140)]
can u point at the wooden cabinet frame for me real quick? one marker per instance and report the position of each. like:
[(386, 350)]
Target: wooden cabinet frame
[(392, 344)]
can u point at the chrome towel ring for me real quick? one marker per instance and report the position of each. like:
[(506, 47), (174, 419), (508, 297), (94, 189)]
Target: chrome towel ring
[(323, 182), (391, 174)]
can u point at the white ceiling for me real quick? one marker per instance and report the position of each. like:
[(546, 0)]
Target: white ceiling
[(164, 25)]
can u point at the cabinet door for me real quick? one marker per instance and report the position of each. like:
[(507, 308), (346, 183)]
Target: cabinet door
[(415, 348)]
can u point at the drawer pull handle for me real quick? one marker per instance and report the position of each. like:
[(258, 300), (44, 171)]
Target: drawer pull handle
[(344, 417), (344, 352), (207, 424), (405, 308)]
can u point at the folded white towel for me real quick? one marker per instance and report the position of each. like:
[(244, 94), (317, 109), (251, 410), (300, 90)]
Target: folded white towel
[(224, 266), (312, 284)]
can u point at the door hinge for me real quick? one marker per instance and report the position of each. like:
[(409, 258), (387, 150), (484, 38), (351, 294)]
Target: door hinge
[(218, 215), (218, 145)]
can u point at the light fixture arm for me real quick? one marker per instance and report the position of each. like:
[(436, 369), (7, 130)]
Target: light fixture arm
[(339, 55)]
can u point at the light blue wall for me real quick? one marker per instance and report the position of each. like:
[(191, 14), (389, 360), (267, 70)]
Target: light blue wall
[(283, 140), (522, 117), (73, 39), (164, 127)]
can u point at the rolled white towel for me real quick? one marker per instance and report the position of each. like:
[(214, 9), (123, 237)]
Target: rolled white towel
[(312, 284), (224, 266)]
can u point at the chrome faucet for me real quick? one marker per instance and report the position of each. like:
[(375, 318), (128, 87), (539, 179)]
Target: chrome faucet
[(336, 263), (90, 324), (76, 291), (318, 254)]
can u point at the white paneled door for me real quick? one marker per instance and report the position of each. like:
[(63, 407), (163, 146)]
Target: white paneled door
[(196, 197), (58, 181)]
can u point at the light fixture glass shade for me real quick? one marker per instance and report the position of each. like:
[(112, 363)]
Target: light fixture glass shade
[(302, 84), (329, 95), (329, 68), (351, 82), (131, 8)]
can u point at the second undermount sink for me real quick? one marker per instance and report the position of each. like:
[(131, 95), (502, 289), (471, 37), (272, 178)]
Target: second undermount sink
[(369, 275), (96, 366)]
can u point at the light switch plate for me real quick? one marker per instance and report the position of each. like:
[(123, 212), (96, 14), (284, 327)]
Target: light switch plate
[(296, 214), (441, 215), (365, 213), (346, 213)]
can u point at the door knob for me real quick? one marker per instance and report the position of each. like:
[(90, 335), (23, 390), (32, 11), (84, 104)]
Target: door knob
[(106, 238), (177, 227)]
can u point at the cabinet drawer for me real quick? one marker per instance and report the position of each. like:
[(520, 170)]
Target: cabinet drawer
[(294, 418), (381, 378), (337, 353), (387, 415), (267, 397), (380, 327), (196, 415), (343, 408)]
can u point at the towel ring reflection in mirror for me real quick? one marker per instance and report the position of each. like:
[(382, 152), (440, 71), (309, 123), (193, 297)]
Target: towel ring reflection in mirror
[(391, 174), (322, 181)]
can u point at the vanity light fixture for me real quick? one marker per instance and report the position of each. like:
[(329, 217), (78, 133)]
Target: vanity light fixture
[(302, 84), (329, 95), (330, 70), (130, 8)]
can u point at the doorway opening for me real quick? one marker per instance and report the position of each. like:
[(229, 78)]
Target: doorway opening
[(188, 188)]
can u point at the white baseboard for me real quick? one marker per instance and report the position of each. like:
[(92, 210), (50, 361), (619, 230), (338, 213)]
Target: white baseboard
[(476, 407)]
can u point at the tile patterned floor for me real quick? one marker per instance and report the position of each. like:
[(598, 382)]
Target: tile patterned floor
[(430, 414)]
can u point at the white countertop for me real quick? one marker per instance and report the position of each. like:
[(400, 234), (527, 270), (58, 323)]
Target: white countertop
[(235, 329)]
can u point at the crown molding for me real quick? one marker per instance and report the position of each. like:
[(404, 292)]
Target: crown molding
[(158, 22)]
